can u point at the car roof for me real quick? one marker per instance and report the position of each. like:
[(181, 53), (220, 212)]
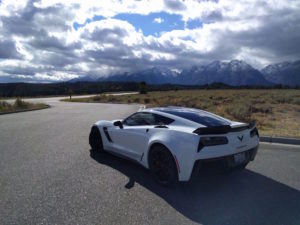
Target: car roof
[(191, 114), (176, 109)]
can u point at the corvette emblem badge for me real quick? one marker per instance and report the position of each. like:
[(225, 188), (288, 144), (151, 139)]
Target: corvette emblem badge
[(240, 138)]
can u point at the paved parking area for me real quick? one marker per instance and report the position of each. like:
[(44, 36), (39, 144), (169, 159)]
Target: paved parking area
[(47, 176)]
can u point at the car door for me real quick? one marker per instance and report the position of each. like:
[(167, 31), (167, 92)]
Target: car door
[(133, 138)]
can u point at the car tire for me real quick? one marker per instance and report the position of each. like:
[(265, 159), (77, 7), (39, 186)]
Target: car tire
[(162, 166), (95, 140)]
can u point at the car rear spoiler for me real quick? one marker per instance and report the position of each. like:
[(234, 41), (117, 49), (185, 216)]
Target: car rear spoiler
[(223, 129)]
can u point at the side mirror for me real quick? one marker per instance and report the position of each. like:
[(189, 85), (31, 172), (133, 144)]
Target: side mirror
[(119, 124)]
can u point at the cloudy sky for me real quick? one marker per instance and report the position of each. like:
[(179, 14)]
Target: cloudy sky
[(51, 40)]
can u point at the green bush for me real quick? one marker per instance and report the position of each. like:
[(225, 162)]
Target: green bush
[(240, 111), (20, 104), (4, 106)]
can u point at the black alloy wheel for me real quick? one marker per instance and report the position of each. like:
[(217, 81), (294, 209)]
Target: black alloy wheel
[(163, 166), (95, 140)]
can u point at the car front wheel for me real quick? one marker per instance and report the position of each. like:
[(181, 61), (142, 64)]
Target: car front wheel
[(163, 166), (95, 140)]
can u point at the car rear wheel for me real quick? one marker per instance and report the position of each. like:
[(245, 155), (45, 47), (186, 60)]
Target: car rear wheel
[(95, 140), (163, 166)]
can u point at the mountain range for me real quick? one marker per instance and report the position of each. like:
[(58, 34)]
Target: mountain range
[(234, 73), (286, 73)]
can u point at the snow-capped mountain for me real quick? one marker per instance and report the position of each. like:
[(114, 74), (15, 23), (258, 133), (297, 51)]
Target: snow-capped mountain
[(155, 75), (83, 79), (287, 73), (235, 73)]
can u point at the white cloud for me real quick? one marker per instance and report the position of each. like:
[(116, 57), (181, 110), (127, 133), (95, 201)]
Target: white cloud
[(39, 42), (158, 20)]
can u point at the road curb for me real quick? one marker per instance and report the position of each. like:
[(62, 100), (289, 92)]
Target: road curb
[(25, 110), (280, 140)]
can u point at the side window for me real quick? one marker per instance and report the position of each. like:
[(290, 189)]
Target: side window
[(162, 120), (140, 119), (146, 118)]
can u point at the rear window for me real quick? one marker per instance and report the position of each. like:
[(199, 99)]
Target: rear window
[(203, 119)]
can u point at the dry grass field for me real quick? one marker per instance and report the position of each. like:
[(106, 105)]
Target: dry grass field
[(20, 105), (277, 112)]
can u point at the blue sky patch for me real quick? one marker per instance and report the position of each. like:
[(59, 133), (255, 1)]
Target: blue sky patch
[(149, 27), (152, 24), (193, 24)]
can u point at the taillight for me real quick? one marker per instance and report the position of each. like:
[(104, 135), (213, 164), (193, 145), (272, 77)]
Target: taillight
[(212, 141)]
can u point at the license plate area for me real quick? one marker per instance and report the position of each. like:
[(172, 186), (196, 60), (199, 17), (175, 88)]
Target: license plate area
[(239, 158)]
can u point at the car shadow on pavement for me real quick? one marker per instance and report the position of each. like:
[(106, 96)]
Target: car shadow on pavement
[(241, 197)]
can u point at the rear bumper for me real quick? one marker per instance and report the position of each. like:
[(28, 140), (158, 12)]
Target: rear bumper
[(233, 147), (250, 156)]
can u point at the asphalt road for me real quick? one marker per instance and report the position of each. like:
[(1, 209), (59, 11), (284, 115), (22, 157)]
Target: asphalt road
[(47, 176)]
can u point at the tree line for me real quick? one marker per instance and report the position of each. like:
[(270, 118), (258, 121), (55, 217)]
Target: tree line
[(80, 88)]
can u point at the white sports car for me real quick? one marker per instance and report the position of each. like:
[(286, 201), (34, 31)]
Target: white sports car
[(172, 141)]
